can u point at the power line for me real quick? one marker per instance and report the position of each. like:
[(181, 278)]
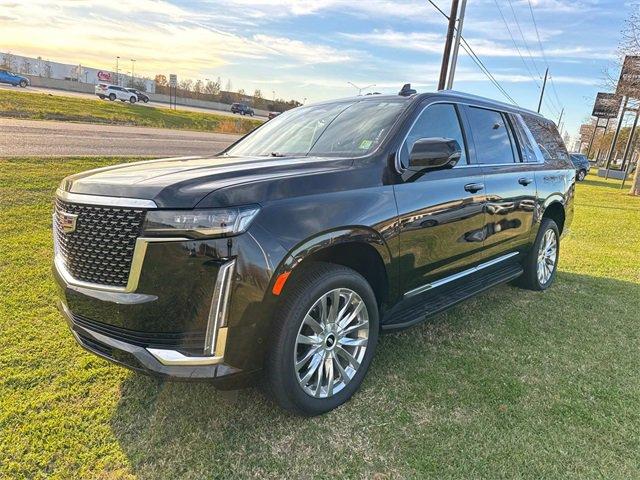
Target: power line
[(467, 48), (524, 40), (515, 44), (544, 56)]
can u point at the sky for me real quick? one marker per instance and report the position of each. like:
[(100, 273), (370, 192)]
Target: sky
[(312, 48)]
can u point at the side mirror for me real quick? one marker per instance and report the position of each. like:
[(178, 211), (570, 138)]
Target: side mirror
[(434, 153)]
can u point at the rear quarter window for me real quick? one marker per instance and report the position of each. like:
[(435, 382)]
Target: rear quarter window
[(547, 137)]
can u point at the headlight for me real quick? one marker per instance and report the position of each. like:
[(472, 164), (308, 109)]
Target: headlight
[(218, 222)]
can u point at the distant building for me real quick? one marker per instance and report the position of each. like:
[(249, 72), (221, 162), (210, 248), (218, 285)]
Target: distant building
[(64, 71)]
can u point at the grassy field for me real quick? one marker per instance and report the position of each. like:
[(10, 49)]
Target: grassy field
[(512, 384), (41, 106)]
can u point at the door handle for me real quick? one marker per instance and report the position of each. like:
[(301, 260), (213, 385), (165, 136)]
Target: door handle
[(474, 187), (525, 181)]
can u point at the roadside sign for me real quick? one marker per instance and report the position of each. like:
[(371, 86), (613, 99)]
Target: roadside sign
[(629, 82), (607, 105), (173, 80)]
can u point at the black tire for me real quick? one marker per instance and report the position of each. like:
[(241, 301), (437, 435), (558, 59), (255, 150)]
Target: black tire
[(112, 96), (145, 100), (132, 100), (251, 114), (530, 279), (23, 83), (581, 175), (310, 285), (101, 97)]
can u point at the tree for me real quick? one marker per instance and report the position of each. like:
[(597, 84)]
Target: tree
[(635, 185), (8, 62), (161, 80), (198, 87), (186, 85), (212, 88), (26, 66)]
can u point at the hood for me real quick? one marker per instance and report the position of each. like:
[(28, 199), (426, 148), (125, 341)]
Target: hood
[(183, 182)]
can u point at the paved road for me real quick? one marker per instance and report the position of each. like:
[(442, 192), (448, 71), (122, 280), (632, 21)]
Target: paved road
[(90, 96), (44, 138)]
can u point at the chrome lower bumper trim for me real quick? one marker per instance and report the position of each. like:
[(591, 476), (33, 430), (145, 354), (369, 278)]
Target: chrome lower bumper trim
[(172, 357)]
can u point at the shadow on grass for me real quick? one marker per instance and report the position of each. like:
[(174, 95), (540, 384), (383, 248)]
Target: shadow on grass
[(171, 430), (591, 181)]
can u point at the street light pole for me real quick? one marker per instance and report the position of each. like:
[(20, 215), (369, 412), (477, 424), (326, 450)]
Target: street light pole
[(117, 74), (456, 45), (133, 62)]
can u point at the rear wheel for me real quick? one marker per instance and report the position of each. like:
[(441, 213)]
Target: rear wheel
[(542, 262), (101, 97), (112, 96), (324, 341), (582, 175)]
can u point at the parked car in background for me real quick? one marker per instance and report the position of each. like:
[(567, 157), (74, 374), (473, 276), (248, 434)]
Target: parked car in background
[(286, 255), (242, 109), (581, 163), (11, 78), (273, 115), (142, 97), (115, 92)]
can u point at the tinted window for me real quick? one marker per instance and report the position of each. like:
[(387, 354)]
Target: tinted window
[(492, 136), (349, 129), (546, 135), (528, 148), (439, 120)]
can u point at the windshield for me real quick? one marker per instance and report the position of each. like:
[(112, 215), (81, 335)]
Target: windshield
[(348, 129)]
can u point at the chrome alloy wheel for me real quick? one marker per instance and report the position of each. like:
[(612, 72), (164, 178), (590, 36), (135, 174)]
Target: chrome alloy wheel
[(331, 342), (547, 256)]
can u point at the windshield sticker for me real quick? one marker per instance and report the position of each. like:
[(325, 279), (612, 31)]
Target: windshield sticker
[(365, 144)]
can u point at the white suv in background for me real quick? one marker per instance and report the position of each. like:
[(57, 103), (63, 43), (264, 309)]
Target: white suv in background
[(113, 92)]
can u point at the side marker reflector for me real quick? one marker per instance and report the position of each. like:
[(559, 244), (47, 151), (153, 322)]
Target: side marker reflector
[(279, 285)]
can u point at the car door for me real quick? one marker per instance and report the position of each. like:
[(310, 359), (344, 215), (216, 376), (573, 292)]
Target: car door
[(509, 181), (4, 76), (441, 217)]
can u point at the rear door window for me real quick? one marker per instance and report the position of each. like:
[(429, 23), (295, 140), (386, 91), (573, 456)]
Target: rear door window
[(494, 142)]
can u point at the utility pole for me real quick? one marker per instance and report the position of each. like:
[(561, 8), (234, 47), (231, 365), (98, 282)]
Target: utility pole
[(447, 45), (544, 84), (560, 119), (456, 45), (133, 62), (593, 135)]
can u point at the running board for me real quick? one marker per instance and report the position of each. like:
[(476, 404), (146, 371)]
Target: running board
[(420, 307)]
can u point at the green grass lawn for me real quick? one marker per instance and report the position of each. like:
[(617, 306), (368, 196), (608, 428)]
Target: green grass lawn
[(42, 106), (512, 384)]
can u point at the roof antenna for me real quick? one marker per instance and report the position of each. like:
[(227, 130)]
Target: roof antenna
[(406, 90)]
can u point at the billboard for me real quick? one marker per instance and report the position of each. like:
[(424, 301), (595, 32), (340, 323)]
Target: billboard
[(607, 105), (629, 82)]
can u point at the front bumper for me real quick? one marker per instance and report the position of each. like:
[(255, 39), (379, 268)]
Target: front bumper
[(192, 309)]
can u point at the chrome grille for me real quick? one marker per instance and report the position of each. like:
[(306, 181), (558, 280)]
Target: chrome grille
[(100, 250)]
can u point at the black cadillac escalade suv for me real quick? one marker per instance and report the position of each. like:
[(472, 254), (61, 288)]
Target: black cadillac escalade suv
[(284, 257)]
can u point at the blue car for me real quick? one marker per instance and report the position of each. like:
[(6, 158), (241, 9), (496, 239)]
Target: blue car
[(7, 77)]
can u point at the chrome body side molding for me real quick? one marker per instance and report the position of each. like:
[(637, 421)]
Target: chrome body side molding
[(459, 275)]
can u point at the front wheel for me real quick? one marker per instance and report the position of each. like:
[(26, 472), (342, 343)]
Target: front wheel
[(132, 100), (324, 341), (542, 262), (582, 174), (23, 83), (145, 100), (112, 96)]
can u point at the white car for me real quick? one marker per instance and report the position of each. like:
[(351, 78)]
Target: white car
[(113, 92)]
